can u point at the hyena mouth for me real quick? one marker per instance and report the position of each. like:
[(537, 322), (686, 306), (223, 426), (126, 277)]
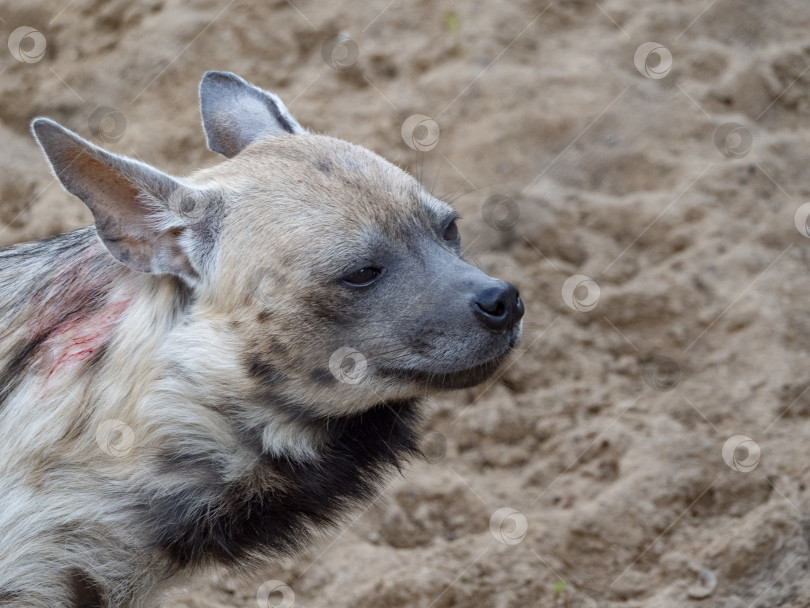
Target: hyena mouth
[(449, 380)]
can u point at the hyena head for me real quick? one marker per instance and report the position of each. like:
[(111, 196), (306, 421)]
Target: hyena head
[(332, 278)]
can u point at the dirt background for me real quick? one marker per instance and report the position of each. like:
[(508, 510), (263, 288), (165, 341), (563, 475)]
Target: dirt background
[(605, 434)]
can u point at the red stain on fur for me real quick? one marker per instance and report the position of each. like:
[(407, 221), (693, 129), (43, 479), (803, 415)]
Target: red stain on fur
[(77, 340), (75, 311)]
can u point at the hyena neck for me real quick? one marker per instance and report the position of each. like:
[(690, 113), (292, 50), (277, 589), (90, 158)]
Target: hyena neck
[(273, 509)]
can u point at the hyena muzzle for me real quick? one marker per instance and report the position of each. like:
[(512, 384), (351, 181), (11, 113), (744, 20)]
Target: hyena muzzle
[(224, 364)]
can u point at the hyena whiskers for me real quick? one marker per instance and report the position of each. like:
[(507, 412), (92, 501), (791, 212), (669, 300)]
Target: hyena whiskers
[(223, 365)]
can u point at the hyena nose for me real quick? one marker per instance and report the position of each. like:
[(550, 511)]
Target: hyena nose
[(498, 308)]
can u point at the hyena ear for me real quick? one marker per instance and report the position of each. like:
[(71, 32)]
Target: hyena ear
[(235, 113), (138, 210)]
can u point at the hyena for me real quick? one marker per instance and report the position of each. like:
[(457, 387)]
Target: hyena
[(222, 365)]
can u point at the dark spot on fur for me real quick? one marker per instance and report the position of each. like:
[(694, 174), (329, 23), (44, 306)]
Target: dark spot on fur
[(296, 412), (86, 592), (421, 345), (323, 165), (96, 360), (79, 426), (275, 507), (264, 315), (263, 370), (322, 376), (20, 358), (323, 309), (205, 467), (7, 596), (274, 345)]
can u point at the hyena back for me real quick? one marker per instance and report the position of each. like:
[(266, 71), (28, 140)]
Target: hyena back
[(224, 364)]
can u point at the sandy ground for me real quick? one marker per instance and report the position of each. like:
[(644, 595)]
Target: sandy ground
[(592, 472)]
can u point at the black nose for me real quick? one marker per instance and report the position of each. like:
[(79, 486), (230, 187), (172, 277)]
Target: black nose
[(498, 307)]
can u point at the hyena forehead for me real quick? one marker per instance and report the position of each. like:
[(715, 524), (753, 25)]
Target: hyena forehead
[(288, 181)]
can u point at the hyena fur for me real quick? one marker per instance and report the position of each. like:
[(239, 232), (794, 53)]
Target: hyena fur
[(174, 385)]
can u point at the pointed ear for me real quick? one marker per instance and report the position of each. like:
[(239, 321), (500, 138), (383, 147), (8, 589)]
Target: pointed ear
[(137, 209), (235, 113)]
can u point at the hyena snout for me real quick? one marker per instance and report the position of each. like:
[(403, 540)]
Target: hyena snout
[(498, 307)]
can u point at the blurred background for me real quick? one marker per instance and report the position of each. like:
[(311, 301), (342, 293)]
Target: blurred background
[(636, 168)]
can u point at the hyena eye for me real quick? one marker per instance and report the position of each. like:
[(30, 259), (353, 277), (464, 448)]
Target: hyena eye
[(362, 277), (451, 232)]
